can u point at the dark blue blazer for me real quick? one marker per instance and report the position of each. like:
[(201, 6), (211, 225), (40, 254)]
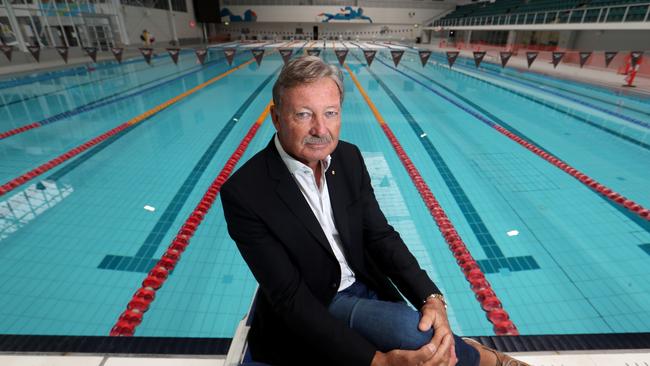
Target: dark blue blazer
[(283, 244)]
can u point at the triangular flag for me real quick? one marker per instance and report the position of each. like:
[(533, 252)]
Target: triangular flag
[(584, 56), (397, 56), (200, 54), (63, 52), (259, 54), (92, 52), (478, 57), (635, 57), (7, 51), (369, 55), (35, 51), (341, 55), (505, 57), (230, 54), (557, 57), (609, 56), (117, 52), (286, 54), (451, 57), (424, 56), (530, 57), (147, 53), (313, 52), (174, 53)]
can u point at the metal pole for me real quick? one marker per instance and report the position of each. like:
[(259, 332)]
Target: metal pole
[(173, 23), (15, 26), (93, 26), (124, 36), (58, 18), (627, 9), (47, 24), (31, 21)]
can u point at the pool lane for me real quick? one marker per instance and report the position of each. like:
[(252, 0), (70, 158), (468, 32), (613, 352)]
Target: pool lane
[(112, 98), (515, 190), (54, 257), (616, 163), (33, 148), (50, 98)]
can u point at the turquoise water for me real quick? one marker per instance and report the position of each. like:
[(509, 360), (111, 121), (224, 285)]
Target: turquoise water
[(577, 265)]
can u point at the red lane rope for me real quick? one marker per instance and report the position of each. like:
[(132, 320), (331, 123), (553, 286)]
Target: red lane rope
[(145, 295), (610, 194), (16, 182), (18, 130), (479, 284)]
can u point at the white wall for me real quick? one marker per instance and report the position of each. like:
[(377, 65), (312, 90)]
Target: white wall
[(156, 21), (310, 13), (612, 40)]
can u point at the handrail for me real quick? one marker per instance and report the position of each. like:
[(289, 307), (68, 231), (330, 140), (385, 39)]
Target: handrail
[(558, 16)]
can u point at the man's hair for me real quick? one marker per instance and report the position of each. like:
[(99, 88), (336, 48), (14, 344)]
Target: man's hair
[(305, 70)]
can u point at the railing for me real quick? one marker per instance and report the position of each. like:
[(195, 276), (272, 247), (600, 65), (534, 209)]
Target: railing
[(605, 14)]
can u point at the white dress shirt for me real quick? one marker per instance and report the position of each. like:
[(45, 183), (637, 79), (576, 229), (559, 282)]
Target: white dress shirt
[(319, 202)]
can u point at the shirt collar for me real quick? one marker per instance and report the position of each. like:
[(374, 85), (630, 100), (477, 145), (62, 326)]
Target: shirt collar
[(294, 165)]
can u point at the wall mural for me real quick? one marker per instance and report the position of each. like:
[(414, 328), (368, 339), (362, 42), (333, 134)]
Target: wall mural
[(347, 13), (249, 16)]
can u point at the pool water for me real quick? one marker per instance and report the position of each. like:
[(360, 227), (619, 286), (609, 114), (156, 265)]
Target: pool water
[(77, 241)]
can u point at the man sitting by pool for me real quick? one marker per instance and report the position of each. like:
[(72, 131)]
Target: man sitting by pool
[(331, 269)]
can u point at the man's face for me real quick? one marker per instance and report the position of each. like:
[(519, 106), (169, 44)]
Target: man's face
[(308, 121)]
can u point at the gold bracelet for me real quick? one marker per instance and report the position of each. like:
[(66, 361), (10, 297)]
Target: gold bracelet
[(436, 296)]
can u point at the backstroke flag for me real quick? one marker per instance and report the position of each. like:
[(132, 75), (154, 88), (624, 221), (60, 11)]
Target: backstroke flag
[(341, 55), (63, 52), (35, 51), (609, 56), (584, 56), (147, 53), (530, 57), (424, 57), (369, 55), (230, 54), (505, 57), (478, 57), (286, 54), (7, 51), (173, 53), (258, 53), (313, 52), (91, 52), (200, 54), (635, 57), (451, 57), (117, 52), (557, 57), (397, 56)]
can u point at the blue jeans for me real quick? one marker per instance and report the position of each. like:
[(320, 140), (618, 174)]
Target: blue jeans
[(389, 325)]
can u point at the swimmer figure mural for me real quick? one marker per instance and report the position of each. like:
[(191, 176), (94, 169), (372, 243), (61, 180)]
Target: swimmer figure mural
[(347, 13)]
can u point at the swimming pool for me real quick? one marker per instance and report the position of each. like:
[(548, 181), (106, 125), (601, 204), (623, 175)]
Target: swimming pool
[(77, 240)]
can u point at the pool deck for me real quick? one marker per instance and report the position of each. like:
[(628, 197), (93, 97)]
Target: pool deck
[(609, 358)]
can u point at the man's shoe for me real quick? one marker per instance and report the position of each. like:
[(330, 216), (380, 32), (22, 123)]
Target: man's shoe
[(502, 358)]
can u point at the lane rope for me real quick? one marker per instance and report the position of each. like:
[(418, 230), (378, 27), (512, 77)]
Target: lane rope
[(490, 303), (146, 294)]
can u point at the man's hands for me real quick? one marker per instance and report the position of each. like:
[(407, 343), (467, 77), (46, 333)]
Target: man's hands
[(434, 315), (439, 352)]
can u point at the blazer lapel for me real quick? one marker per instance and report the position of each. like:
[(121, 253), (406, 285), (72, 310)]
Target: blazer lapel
[(289, 192), (339, 198)]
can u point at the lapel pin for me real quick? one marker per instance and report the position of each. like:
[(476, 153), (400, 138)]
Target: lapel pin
[(333, 172)]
